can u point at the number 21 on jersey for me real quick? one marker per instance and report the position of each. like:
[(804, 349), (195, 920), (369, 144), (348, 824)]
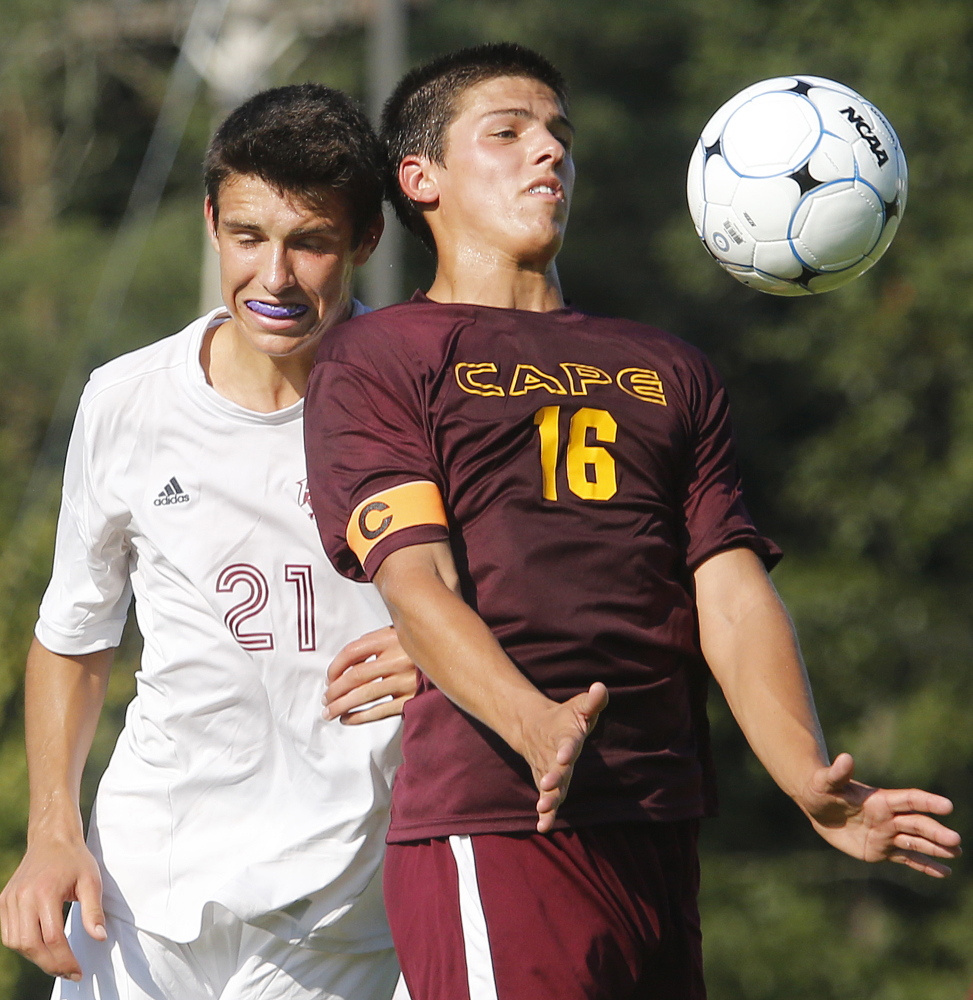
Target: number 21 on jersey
[(257, 588), (590, 467)]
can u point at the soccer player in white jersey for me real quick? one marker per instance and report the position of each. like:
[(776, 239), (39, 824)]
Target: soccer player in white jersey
[(236, 842)]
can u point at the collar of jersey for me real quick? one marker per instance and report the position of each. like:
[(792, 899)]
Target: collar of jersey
[(209, 398)]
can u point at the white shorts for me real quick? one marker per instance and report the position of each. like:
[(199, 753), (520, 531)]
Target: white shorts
[(230, 960)]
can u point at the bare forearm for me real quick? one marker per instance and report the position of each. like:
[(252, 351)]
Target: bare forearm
[(749, 642), (451, 644), (63, 699), (752, 650), (455, 649)]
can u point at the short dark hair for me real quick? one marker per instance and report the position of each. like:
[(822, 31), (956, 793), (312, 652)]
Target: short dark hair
[(305, 140), (424, 104)]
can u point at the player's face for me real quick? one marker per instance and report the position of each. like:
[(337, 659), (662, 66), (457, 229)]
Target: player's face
[(508, 173), (285, 266)]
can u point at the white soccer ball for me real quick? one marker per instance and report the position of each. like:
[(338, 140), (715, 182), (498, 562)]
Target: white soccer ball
[(797, 185)]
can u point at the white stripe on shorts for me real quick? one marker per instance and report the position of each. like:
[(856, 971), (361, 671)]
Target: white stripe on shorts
[(476, 941)]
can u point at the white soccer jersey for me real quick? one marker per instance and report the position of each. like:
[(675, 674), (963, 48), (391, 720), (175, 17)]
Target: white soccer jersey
[(226, 785)]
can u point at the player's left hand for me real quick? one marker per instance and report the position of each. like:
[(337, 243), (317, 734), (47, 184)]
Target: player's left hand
[(880, 824), (374, 671)]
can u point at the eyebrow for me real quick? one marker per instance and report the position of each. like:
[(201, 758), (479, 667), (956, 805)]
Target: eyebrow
[(239, 224), (255, 227), (524, 113)]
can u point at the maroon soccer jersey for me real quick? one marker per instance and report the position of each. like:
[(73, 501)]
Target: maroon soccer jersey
[(586, 467)]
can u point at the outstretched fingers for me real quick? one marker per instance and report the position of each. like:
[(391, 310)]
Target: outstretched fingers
[(553, 786), (918, 840), (883, 824), (915, 800), (921, 827), (921, 862), (574, 721)]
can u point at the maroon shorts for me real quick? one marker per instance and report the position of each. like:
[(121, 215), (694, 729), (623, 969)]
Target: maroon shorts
[(598, 913)]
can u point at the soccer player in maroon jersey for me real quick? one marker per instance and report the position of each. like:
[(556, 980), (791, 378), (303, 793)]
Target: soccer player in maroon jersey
[(549, 503)]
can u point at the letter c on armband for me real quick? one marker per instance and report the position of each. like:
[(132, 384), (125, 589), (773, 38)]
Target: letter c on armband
[(372, 533), (403, 506)]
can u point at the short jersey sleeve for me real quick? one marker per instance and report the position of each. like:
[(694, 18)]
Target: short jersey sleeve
[(375, 485), (715, 515), (86, 602)]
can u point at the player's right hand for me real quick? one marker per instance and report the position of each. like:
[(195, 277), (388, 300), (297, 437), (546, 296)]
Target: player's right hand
[(557, 744), (31, 906)]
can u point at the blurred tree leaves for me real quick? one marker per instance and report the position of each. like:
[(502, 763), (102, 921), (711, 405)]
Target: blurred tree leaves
[(854, 410)]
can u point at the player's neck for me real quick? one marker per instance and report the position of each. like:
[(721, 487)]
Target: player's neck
[(253, 380), (503, 284)]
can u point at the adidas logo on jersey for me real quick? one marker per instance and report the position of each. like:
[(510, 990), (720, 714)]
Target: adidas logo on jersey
[(173, 493)]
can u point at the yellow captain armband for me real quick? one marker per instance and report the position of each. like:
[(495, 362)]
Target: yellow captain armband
[(391, 510)]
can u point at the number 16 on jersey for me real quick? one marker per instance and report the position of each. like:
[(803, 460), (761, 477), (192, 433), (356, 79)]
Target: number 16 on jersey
[(589, 466)]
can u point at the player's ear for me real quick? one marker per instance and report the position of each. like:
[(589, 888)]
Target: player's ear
[(210, 214), (371, 236), (417, 179)]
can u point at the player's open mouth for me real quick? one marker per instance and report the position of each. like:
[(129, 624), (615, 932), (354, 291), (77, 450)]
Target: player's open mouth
[(275, 310), (546, 188)]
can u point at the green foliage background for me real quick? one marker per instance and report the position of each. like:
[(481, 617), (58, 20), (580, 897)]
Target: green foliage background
[(854, 411)]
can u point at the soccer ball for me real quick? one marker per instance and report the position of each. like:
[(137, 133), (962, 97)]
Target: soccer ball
[(797, 185)]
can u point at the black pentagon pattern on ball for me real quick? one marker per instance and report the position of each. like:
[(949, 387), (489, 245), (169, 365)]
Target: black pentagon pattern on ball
[(805, 277), (806, 181), (802, 87), (892, 209), (709, 151)]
